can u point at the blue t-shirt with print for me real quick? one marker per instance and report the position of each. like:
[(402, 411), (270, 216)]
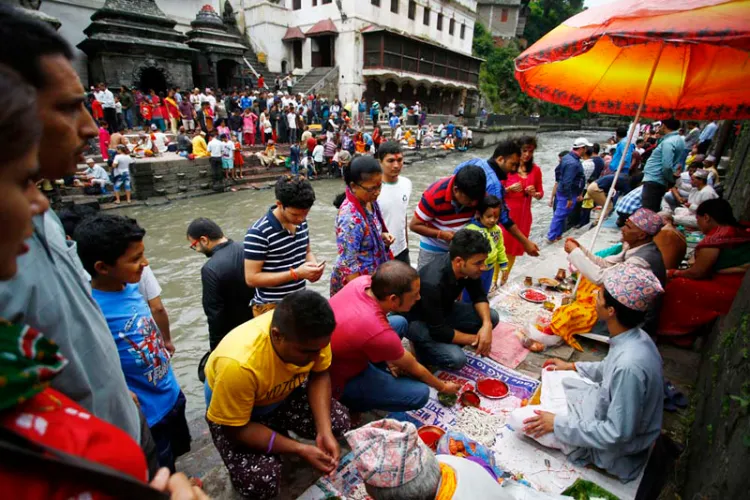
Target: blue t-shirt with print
[(143, 357)]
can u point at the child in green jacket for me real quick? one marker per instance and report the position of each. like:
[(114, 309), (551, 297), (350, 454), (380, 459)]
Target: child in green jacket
[(488, 214)]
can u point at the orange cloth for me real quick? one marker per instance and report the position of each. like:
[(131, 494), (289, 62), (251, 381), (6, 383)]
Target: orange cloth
[(577, 317), (447, 483)]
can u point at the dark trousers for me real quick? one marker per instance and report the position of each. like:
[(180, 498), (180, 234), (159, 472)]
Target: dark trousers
[(110, 114), (653, 192), (257, 475), (403, 257), (172, 434), (464, 318), (217, 174)]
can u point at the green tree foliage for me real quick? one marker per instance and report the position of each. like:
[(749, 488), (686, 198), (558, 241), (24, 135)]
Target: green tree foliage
[(496, 76)]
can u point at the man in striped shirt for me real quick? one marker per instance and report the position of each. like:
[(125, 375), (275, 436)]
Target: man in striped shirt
[(446, 206), (278, 257)]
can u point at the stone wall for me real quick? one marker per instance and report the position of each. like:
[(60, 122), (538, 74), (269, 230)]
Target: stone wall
[(737, 182), (124, 69)]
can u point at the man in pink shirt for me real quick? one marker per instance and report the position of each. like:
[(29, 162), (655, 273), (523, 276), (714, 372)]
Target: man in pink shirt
[(366, 344)]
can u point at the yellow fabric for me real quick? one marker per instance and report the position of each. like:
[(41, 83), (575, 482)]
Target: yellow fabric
[(200, 148), (577, 317), (244, 371), (447, 483)]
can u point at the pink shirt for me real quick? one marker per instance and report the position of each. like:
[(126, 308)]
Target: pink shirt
[(362, 335)]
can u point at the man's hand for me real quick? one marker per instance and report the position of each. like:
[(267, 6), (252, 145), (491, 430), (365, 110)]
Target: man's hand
[(450, 388), (388, 239), (170, 347), (569, 204), (318, 458), (328, 443), (530, 248), (135, 399), (447, 235), (515, 188), (177, 485), (571, 244), (558, 364), (551, 201), (483, 343), (310, 271), (543, 423)]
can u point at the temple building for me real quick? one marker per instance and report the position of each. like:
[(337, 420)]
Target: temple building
[(412, 50)]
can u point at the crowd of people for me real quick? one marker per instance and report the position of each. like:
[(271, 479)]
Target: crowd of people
[(78, 299)]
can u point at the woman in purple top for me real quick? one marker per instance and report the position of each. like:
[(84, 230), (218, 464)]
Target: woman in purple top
[(361, 235)]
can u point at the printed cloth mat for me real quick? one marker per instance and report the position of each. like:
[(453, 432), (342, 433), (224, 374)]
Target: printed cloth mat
[(507, 348)]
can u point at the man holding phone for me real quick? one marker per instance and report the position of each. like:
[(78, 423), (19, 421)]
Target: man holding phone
[(278, 256)]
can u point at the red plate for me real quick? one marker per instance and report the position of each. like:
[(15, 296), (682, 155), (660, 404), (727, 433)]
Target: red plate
[(492, 388), (532, 295)]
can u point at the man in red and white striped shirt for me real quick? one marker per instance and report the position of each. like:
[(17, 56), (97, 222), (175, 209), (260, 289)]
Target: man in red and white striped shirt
[(446, 206)]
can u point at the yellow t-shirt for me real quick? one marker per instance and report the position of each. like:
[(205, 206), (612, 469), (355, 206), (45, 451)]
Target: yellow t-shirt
[(244, 371), (200, 149)]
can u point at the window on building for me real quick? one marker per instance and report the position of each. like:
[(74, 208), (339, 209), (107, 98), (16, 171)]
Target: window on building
[(452, 26), (376, 3), (426, 16), (315, 3), (440, 22), (296, 4), (463, 31), (504, 16), (326, 1), (412, 9), (394, 6)]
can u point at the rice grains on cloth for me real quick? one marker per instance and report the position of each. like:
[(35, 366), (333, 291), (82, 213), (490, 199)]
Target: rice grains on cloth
[(479, 425)]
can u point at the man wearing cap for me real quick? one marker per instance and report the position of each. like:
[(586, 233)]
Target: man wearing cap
[(96, 175), (614, 413), (570, 185), (701, 193), (395, 463), (638, 249), (683, 188)]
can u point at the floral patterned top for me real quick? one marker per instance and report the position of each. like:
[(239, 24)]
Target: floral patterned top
[(359, 238)]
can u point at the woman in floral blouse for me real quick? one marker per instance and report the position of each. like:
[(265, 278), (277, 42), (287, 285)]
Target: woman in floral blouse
[(361, 236)]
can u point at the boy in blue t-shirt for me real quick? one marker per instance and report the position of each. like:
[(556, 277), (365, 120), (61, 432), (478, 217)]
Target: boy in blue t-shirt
[(111, 249)]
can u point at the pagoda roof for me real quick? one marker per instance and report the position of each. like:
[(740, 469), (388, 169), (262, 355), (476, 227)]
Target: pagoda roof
[(293, 33), (323, 27)]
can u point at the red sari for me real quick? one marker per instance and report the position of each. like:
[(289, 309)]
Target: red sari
[(519, 205), (690, 304)]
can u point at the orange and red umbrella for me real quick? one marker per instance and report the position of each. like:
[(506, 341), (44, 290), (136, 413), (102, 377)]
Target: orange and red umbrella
[(696, 51)]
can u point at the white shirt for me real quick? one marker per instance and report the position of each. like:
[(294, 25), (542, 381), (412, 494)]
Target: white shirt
[(699, 196), (215, 147), (121, 164), (391, 107), (195, 100), (292, 119), (227, 149), (684, 186), (149, 286), (399, 134), (118, 108), (160, 141), (588, 168), (393, 201), (211, 100), (106, 98), (97, 172), (317, 153)]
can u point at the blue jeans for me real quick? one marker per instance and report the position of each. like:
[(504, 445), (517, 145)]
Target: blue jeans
[(557, 226), (464, 318), (376, 389), (128, 115)]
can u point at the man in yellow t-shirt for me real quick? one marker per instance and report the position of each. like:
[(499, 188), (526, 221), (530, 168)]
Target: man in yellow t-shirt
[(255, 392)]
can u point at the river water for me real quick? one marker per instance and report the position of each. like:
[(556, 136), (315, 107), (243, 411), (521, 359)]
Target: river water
[(178, 268)]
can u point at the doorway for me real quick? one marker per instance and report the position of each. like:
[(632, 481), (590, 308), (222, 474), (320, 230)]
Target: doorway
[(152, 78), (323, 52), (297, 54), (227, 74)]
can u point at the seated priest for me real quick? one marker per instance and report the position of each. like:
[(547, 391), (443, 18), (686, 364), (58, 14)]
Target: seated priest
[(439, 325), (269, 376), (614, 409), (366, 344)]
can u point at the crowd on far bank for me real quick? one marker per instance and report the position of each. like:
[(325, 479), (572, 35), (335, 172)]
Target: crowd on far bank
[(89, 395)]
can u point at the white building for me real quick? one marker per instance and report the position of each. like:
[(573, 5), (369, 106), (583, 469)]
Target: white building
[(503, 18), (412, 50)]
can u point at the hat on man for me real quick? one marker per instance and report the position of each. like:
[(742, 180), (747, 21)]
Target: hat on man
[(90, 161), (697, 159), (647, 221), (388, 453), (153, 127), (632, 286), (711, 158), (701, 174), (582, 142)]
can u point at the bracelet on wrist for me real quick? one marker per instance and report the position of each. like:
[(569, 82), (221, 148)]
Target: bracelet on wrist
[(294, 274)]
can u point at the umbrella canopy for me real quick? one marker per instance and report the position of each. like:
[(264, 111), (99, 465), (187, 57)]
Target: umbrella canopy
[(604, 56)]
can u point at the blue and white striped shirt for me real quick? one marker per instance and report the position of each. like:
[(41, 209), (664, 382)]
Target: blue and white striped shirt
[(279, 250)]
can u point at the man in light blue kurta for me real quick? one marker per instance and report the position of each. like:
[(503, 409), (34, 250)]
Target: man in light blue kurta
[(613, 422)]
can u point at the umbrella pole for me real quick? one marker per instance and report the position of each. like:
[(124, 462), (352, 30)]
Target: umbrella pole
[(612, 189)]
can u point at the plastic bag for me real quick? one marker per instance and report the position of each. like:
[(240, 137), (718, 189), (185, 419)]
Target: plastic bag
[(458, 445)]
